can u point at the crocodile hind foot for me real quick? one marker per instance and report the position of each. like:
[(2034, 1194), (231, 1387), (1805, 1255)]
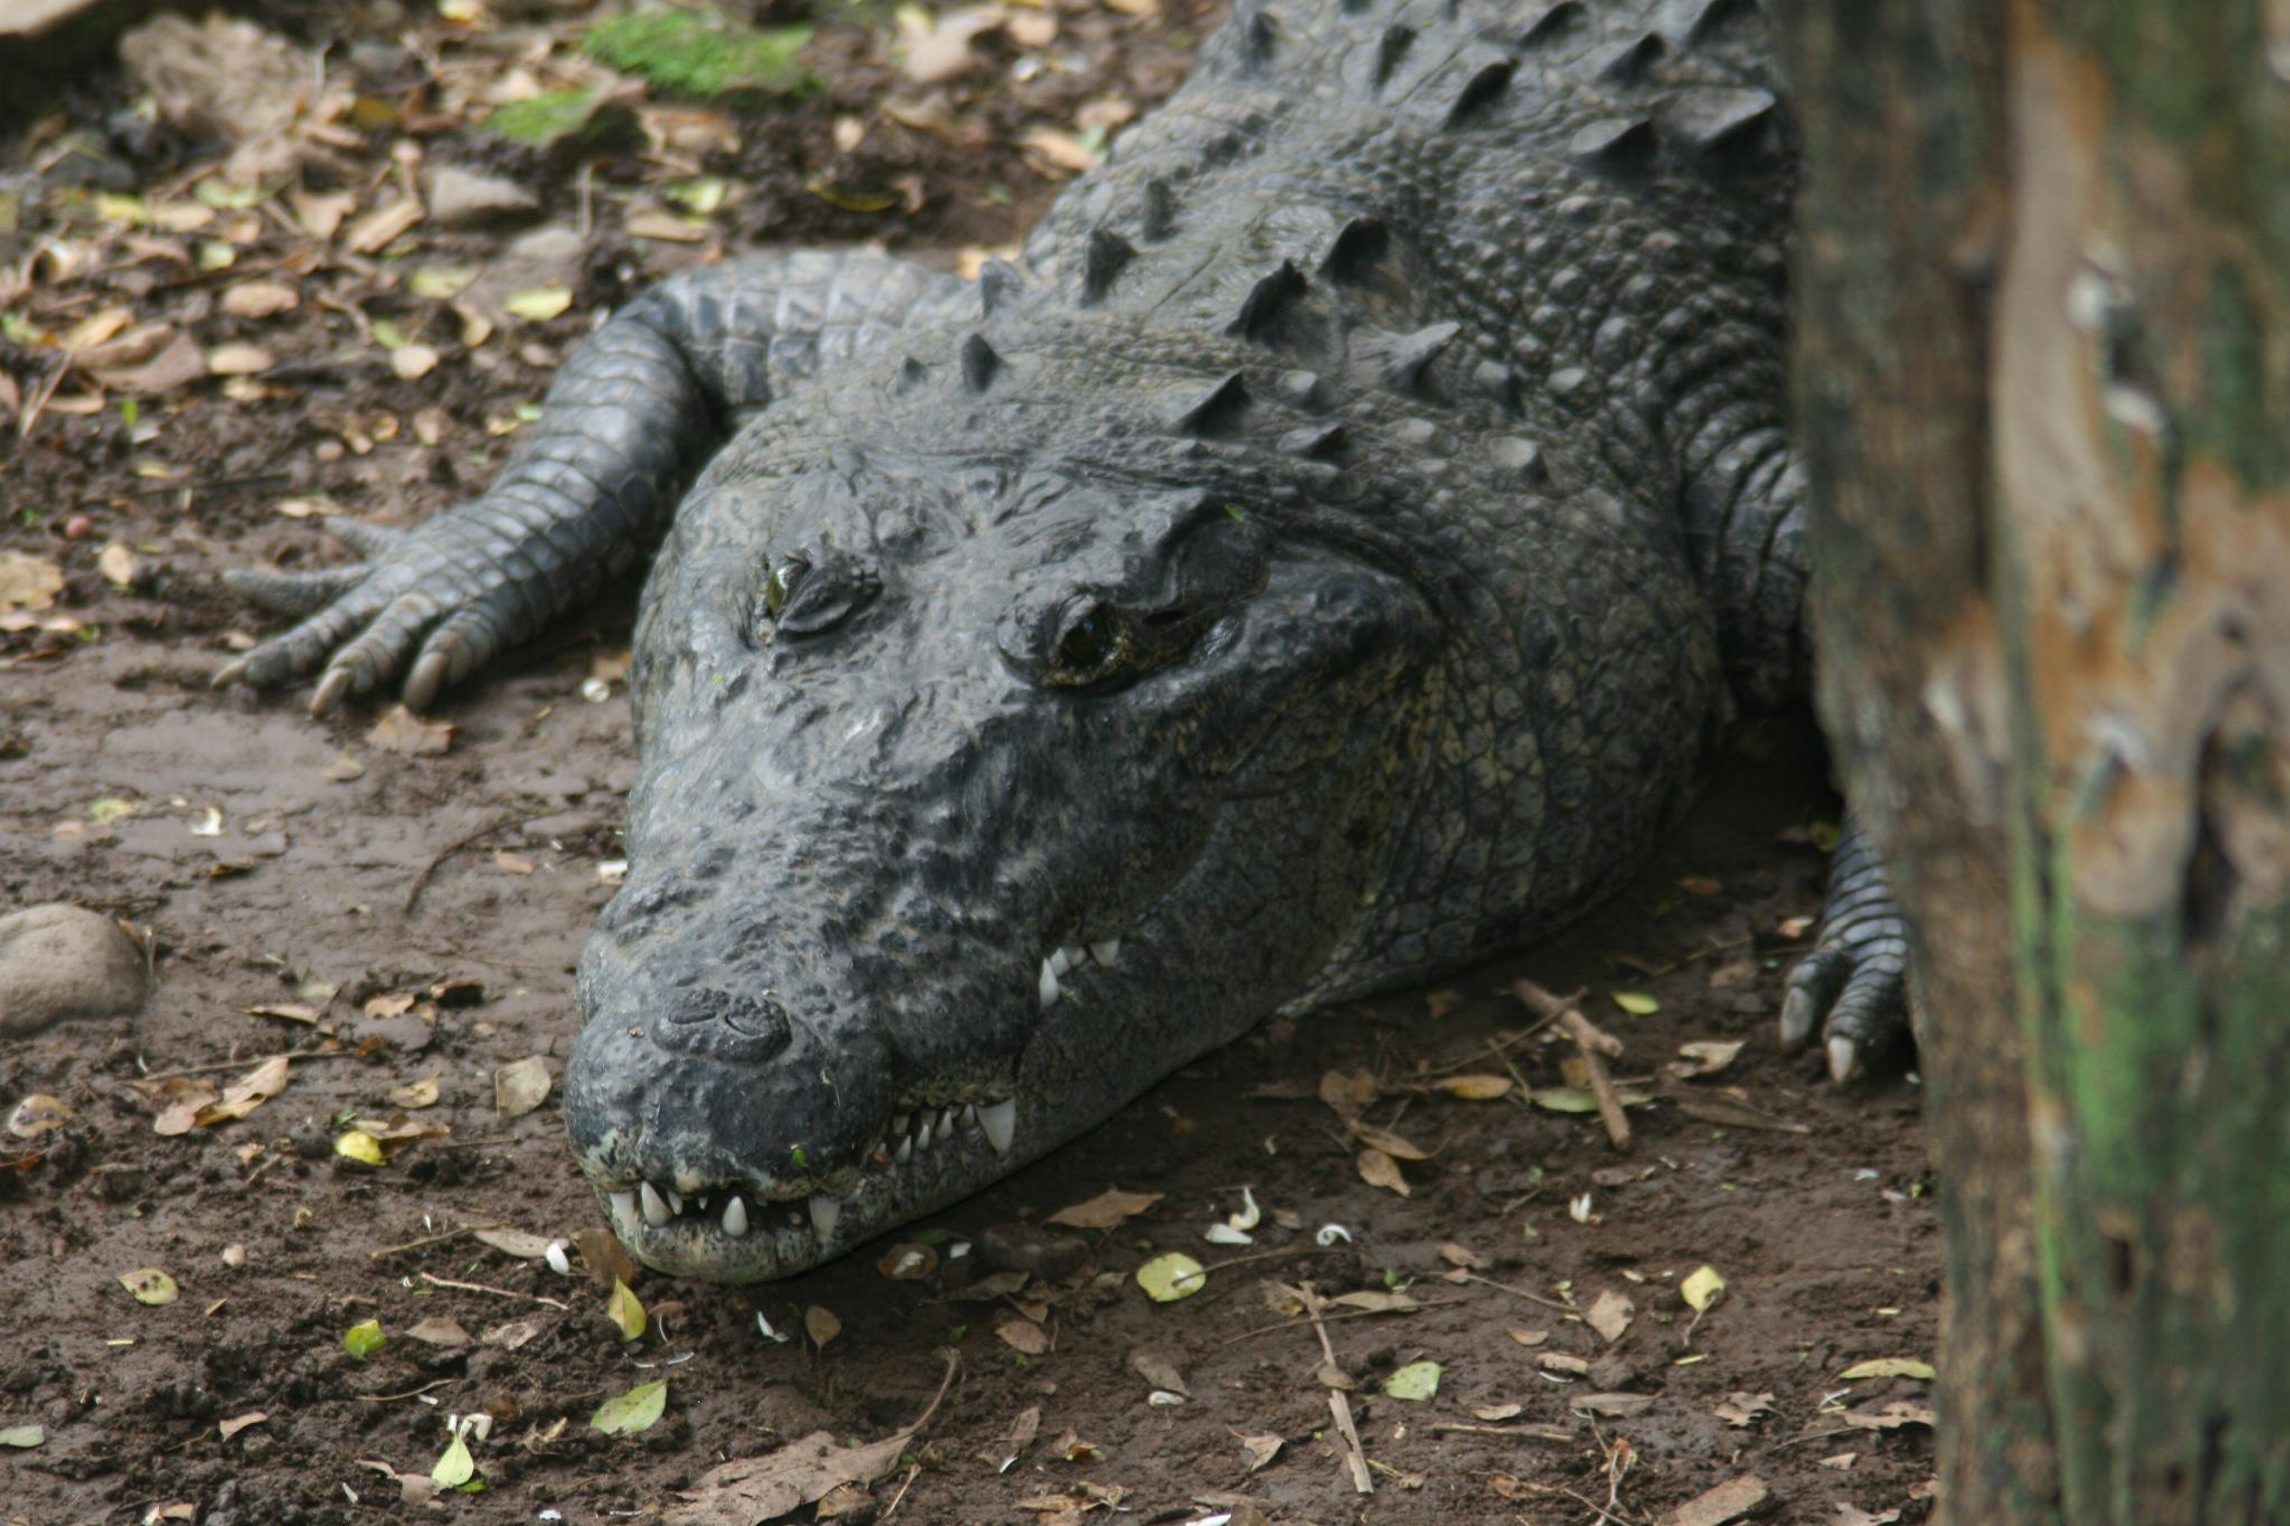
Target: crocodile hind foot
[(1853, 988)]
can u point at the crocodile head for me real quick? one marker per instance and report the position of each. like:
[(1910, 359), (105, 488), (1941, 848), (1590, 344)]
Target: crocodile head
[(976, 794)]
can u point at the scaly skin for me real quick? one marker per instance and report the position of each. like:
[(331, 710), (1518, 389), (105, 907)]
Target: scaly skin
[(1324, 558)]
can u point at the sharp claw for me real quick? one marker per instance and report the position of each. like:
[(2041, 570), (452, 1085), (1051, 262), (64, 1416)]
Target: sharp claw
[(229, 673), (1844, 1060), (1797, 1019), (427, 677), (331, 688)]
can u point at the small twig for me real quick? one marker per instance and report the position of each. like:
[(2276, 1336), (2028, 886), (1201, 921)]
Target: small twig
[(467, 839), (1314, 1310), (411, 1393), (1355, 1457), (913, 1472), (1596, 1045), (1290, 1324), (1504, 1287), (479, 1287), (425, 1240), (336, 1053), (1531, 1432)]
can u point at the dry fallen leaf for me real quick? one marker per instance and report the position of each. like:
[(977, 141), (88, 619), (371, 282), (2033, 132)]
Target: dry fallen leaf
[(1108, 1209), (1476, 1088), (1743, 1409), (765, 1488), (1706, 1057), (514, 1242), (415, 1095), (247, 1093), (1729, 1501), (1610, 1314), (238, 1423), (150, 1285), (117, 564), (1462, 1256), (1890, 1367), (1023, 1335), (821, 1325), (1397, 1146), (1890, 1417), (1379, 1170), (437, 1330), (26, 582), (1613, 1406), (520, 1086), (402, 731), (1261, 1450)]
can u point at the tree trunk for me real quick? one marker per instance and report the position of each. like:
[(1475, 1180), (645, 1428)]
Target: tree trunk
[(2044, 391)]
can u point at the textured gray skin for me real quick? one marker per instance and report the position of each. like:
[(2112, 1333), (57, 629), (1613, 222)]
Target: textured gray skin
[(1326, 557)]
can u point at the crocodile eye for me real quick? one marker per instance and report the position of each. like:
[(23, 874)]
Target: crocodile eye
[(1088, 642), (779, 586)]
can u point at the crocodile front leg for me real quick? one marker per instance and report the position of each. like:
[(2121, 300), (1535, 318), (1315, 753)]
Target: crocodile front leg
[(636, 412)]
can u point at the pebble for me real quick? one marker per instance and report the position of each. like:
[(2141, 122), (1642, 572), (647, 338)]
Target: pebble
[(462, 199), (59, 962)]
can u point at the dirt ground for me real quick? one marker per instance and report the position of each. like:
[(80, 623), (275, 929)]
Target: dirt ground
[(387, 917)]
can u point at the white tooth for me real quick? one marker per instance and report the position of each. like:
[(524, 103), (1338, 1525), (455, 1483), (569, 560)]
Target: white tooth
[(1049, 983), (902, 1123), (623, 1207), (700, 1200), (922, 1136), (946, 1123), (824, 1212), (655, 1210), (1001, 1123), (905, 1151), (1075, 955), (1105, 953), (1060, 961), (735, 1217), (675, 1200), (970, 1115)]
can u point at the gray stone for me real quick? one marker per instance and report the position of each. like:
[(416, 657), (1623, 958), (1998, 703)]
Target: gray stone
[(59, 962), (463, 199)]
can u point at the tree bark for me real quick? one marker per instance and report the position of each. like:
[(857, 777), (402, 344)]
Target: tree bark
[(2044, 394)]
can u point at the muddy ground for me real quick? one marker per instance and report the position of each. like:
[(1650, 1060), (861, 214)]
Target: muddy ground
[(388, 916)]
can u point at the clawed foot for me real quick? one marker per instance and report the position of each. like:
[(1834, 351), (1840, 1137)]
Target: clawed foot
[(364, 622), (1852, 989)]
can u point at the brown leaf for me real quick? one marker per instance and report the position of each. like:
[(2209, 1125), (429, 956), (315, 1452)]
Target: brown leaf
[(180, 1098), (374, 231), (1376, 1301), (1379, 1170), (1397, 1146), (765, 1488), (1706, 1057), (1023, 1335), (514, 1242), (259, 299), (1108, 1209), (820, 1323), (415, 1094), (176, 363), (1529, 1337), (512, 863), (237, 1423), (1890, 1417), (520, 1086), (1261, 1450), (1613, 1406), (1743, 1409), (1610, 1314), (26, 582), (1022, 1433), (437, 1330), (1729, 1501), (1156, 1369), (247, 1093), (1476, 1088), (1494, 1412), (1348, 1094), (402, 731)]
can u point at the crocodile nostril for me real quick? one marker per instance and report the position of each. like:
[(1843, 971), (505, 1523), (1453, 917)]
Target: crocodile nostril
[(726, 1024)]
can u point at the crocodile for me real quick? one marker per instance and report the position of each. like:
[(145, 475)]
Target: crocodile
[(1325, 555)]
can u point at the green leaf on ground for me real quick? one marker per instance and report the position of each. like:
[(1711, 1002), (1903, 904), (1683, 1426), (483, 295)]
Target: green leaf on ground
[(636, 1410), (364, 1338), (1166, 1279), (1417, 1380), (701, 55)]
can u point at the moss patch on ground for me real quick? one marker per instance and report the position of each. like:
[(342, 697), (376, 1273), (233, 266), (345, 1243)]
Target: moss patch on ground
[(701, 54)]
